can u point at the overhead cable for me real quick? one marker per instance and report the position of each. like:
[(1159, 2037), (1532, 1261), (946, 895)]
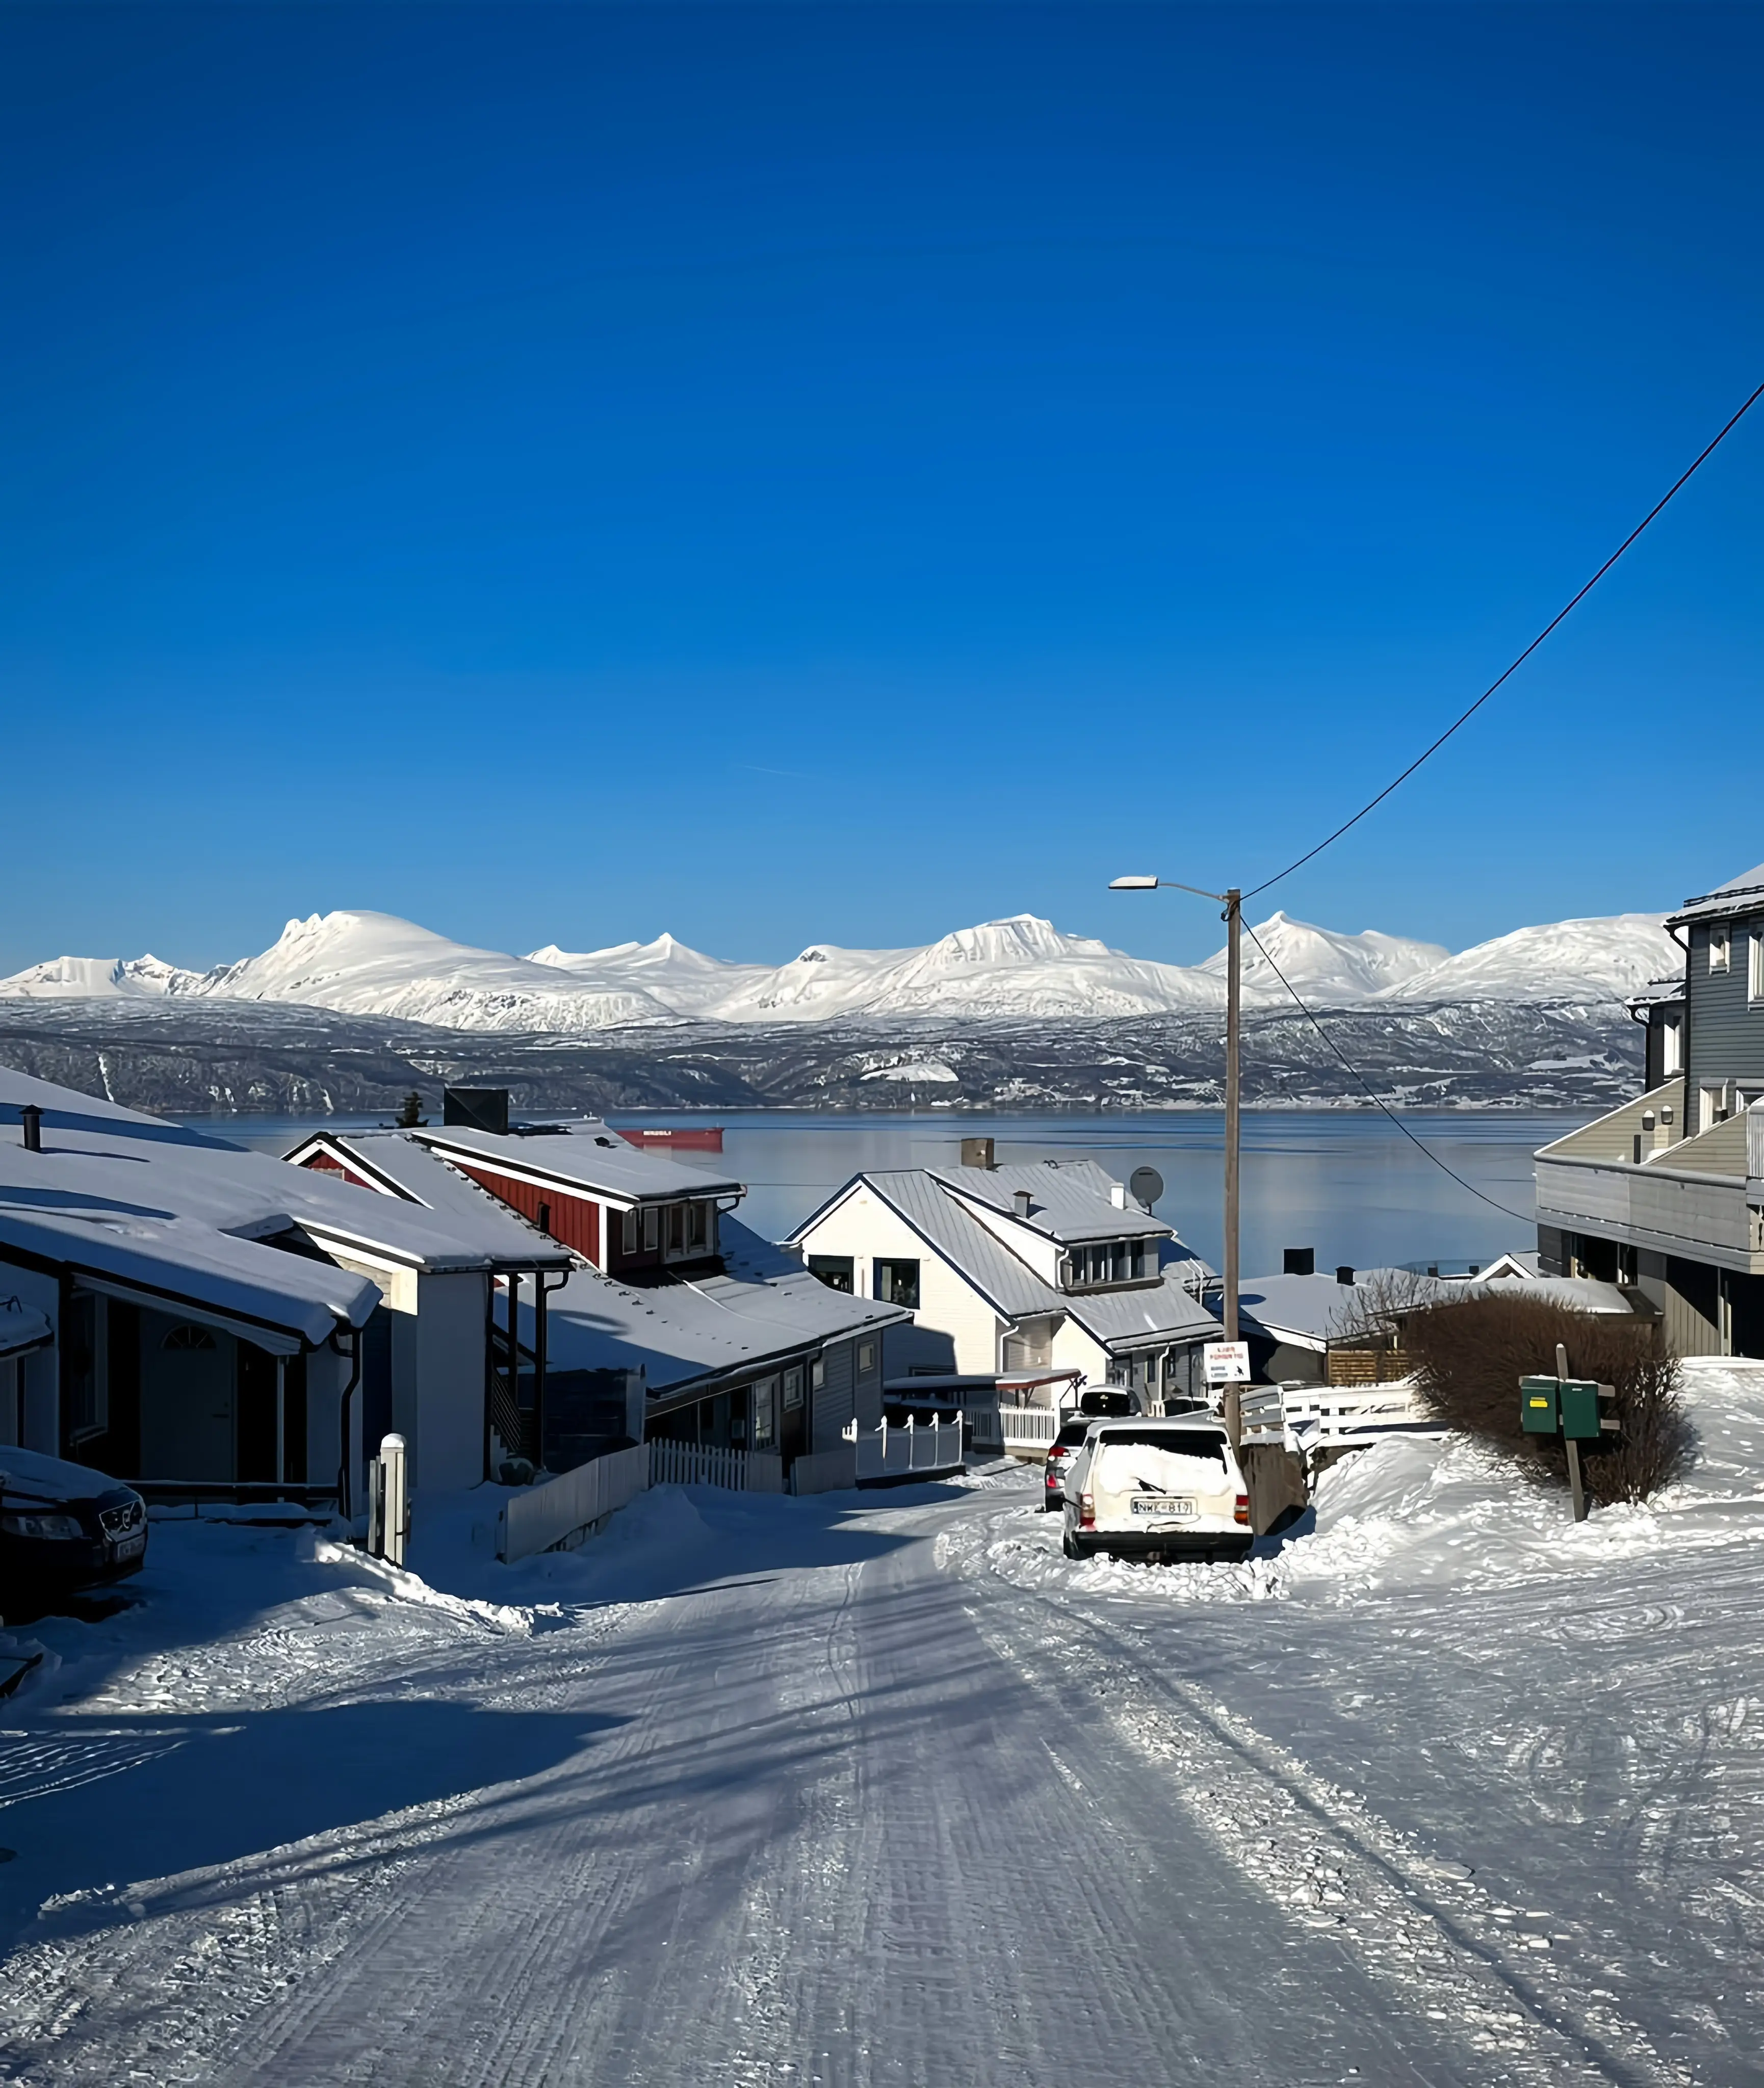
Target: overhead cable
[(1527, 1218), (1427, 753)]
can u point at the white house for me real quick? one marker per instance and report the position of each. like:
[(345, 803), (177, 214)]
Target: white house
[(1051, 1265), (199, 1318)]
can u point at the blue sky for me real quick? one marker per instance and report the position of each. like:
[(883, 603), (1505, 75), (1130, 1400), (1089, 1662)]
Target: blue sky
[(844, 473)]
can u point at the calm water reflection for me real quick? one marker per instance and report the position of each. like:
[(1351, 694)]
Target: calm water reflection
[(1345, 1182)]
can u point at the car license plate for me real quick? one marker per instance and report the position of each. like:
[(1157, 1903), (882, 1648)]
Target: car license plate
[(1145, 1504), (132, 1548)]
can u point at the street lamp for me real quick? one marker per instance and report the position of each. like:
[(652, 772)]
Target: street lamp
[(1233, 903)]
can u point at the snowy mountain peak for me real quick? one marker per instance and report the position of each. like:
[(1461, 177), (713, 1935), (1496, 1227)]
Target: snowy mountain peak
[(1324, 965), (100, 978), (1602, 959)]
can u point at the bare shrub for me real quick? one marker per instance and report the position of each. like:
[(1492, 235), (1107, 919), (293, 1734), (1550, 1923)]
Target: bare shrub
[(1467, 1359)]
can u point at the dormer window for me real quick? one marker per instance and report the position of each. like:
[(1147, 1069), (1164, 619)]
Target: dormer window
[(1104, 1262), (1720, 950)]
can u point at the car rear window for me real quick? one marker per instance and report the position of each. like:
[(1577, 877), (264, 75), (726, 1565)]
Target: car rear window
[(1074, 1432), (1164, 1461)]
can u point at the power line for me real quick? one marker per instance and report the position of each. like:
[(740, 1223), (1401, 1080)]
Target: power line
[(1372, 804), (1523, 1218)]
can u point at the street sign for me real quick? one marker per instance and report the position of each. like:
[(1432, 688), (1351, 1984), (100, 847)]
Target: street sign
[(1225, 1363)]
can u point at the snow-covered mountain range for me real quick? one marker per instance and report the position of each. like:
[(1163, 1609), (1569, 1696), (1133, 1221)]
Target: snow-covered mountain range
[(1021, 969)]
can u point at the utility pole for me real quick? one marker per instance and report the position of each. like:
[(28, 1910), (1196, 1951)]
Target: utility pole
[(1233, 903)]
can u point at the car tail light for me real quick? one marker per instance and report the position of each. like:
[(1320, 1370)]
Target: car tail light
[(1243, 1509), (1086, 1511)]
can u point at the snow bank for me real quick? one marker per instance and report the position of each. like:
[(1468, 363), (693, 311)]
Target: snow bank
[(1413, 1514)]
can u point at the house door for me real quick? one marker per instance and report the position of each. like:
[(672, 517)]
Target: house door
[(188, 1396)]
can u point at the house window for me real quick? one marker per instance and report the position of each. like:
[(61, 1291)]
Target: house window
[(834, 1270), (765, 1410), (1715, 1107), (817, 1374), (628, 1234), (1671, 1045), (676, 1229), (1754, 967), (865, 1358), (652, 1230), (897, 1283), (792, 1390), (1718, 949), (697, 1232)]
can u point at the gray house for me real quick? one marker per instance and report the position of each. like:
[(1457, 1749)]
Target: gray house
[(1666, 1195)]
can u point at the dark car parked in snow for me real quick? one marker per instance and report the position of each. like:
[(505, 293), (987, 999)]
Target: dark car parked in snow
[(64, 1526)]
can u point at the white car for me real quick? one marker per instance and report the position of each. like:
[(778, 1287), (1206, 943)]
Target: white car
[(1160, 1489)]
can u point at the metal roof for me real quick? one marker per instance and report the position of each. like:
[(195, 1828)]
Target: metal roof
[(1744, 894), (1118, 1319), (500, 1235), (586, 1158), (1069, 1199), (765, 1306)]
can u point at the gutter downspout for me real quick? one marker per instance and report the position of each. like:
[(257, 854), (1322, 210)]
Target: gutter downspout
[(1684, 1042), (353, 1352), (540, 1291)]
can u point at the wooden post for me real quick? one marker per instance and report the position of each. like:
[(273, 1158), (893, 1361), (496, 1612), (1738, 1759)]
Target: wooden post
[(1577, 1492)]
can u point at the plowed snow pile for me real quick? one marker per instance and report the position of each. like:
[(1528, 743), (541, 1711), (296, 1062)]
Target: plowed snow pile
[(1414, 1513)]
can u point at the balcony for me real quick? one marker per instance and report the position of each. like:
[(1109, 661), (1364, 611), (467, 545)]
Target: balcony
[(1619, 1179)]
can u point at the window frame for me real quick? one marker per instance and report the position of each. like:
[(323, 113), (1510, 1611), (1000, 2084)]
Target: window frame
[(883, 1284), (1720, 950)]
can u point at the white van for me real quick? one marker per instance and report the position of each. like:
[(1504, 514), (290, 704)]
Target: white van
[(1168, 1489)]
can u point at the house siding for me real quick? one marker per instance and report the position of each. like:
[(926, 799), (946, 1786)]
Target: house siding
[(832, 1403), (1725, 1027), (572, 1220)]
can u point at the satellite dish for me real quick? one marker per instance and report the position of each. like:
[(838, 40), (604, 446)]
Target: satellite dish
[(1147, 1185)]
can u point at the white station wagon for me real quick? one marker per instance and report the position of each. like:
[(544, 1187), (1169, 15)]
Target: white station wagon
[(1168, 1489)]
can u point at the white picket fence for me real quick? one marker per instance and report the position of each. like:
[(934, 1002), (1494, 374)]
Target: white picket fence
[(550, 1517), (743, 1471), (1303, 1417), (889, 1453)]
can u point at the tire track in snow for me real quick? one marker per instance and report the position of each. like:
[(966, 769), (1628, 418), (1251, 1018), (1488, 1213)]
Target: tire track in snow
[(1333, 1866)]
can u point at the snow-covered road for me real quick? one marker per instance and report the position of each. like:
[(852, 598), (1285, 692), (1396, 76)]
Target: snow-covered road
[(880, 1790)]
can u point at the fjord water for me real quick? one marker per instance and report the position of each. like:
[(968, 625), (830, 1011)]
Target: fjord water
[(1346, 1183)]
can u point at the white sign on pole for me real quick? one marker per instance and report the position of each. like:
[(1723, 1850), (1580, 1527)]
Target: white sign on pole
[(1225, 1363)]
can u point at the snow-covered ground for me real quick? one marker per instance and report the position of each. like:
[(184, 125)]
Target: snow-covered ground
[(881, 1789)]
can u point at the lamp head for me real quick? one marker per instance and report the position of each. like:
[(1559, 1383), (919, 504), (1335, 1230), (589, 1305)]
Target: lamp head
[(1132, 884)]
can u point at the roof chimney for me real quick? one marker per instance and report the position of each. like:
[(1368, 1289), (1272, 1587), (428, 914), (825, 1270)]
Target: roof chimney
[(1344, 1273), (1023, 1200), (1300, 1261), (978, 1153), (1118, 1195), (31, 1119), (480, 1108)]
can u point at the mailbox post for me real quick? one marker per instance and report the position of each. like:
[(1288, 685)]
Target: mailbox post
[(1567, 1408)]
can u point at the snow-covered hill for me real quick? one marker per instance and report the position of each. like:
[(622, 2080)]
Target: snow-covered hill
[(1598, 960), (1010, 971), (1022, 969), (100, 978), (1326, 967), (683, 979), (375, 964)]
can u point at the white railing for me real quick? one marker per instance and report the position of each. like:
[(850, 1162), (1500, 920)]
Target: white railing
[(827, 1471), (545, 1517), (887, 1453), (687, 1464), (1029, 1428), (1308, 1416), (984, 1427)]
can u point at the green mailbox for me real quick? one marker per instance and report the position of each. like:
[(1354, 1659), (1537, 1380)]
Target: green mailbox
[(1580, 1398), (1537, 1404)]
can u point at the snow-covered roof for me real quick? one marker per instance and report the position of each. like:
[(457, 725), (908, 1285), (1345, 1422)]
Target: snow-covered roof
[(1744, 894), (20, 1328), (586, 1158), (1070, 1200), (402, 1168), (1166, 1310), (1657, 993), (128, 1199), (1310, 1311), (764, 1306)]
